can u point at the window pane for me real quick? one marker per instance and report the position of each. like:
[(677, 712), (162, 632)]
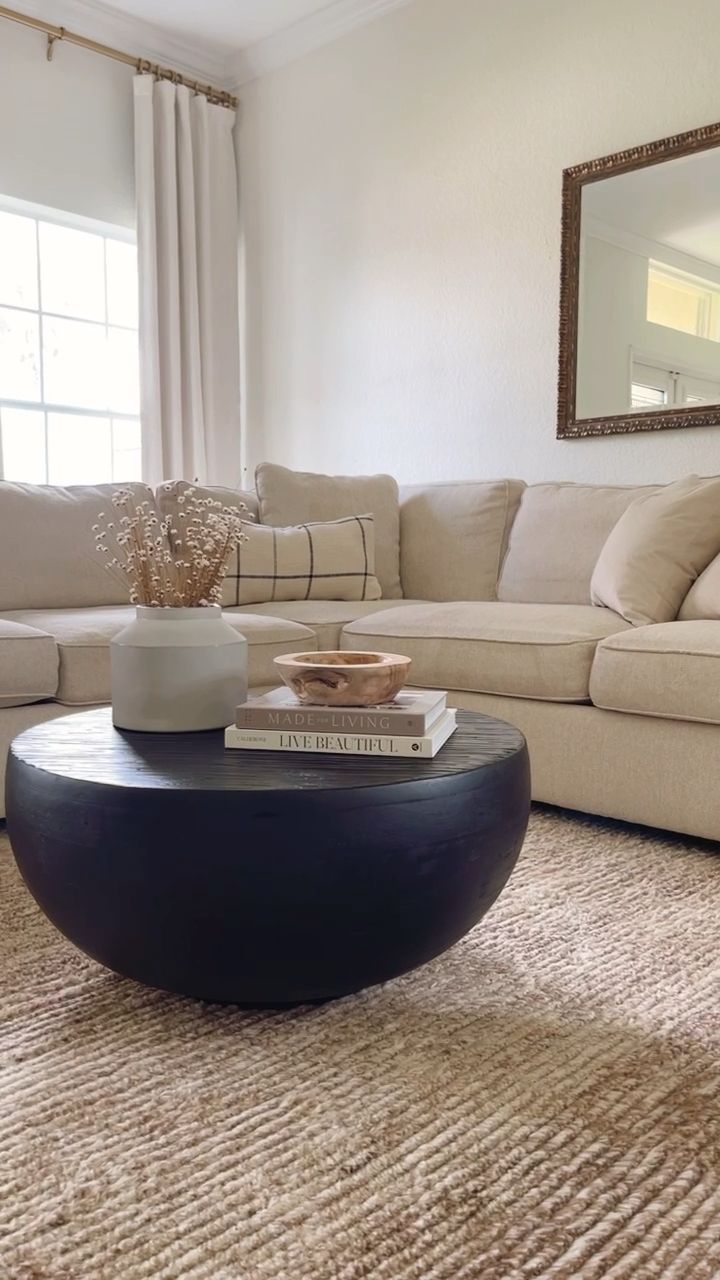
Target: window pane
[(74, 363), (19, 355), (18, 261), (123, 371), (122, 283), (126, 433), (644, 397), (72, 272), (79, 449), (671, 305), (127, 466), (88, 360), (22, 434), (127, 461), (693, 390), (682, 301)]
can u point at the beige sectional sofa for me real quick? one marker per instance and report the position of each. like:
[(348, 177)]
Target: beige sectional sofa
[(489, 593)]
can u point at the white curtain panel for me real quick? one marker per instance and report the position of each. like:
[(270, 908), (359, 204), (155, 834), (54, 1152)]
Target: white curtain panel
[(187, 232)]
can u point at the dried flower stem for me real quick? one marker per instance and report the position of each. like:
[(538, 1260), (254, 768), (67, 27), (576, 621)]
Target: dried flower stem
[(171, 564)]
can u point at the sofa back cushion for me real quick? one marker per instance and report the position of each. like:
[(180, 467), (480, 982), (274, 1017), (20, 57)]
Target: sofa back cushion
[(453, 537), (556, 538), (300, 497), (657, 549), (166, 496), (49, 559)]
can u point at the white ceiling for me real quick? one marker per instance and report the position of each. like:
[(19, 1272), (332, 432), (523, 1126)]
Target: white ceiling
[(676, 203), (234, 24), (223, 41)]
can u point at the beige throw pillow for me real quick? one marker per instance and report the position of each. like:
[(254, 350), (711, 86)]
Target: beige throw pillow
[(656, 550), (703, 599), (296, 497), (334, 560)]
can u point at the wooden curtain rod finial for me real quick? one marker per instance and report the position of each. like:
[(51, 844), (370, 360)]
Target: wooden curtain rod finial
[(51, 40)]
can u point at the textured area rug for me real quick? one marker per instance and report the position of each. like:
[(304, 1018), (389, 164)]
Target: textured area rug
[(541, 1101)]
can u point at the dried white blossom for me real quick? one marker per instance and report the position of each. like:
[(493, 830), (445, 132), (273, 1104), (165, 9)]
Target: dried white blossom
[(160, 567)]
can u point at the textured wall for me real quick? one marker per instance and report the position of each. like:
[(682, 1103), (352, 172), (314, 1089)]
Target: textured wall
[(401, 194), (65, 128)]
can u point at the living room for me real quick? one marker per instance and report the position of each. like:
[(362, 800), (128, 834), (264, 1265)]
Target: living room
[(359, 395)]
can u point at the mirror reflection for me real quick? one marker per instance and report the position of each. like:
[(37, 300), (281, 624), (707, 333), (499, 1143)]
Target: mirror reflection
[(649, 289)]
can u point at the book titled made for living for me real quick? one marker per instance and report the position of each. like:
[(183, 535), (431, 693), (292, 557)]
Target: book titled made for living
[(352, 744), (412, 712)]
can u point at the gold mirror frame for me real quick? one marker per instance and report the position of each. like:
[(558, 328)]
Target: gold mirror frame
[(574, 179)]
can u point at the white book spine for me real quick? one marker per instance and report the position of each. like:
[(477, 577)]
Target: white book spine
[(352, 744)]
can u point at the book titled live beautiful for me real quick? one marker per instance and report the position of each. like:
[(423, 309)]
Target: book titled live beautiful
[(345, 744), (411, 713)]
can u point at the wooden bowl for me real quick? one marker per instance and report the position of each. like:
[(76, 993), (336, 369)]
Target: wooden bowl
[(349, 679)]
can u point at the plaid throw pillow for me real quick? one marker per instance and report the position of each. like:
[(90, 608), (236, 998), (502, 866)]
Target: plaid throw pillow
[(333, 560)]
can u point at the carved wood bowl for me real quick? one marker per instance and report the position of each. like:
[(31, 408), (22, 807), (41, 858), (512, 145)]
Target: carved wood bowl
[(349, 679)]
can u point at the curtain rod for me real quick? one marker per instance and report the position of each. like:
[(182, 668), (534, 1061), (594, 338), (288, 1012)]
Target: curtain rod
[(219, 96)]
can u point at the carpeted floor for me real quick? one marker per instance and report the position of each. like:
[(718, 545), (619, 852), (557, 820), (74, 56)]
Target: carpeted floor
[(542, 1101)]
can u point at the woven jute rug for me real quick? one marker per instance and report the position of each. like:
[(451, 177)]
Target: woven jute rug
[(541, 1101)]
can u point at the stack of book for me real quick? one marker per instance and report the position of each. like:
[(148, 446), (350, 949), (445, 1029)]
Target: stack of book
[(417, 723)]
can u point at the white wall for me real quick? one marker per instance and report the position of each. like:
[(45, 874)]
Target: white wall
[(401, 193), (65, 127)]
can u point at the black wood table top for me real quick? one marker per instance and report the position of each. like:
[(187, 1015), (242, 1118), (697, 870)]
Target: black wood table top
[(87, 747)]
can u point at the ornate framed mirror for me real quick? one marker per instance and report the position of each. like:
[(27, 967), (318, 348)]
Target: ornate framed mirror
[(640, 289)]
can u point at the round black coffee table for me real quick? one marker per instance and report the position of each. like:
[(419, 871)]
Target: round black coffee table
[(261, 877)]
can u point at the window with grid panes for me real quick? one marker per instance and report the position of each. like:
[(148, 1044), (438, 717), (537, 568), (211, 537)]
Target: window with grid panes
[(69, 386)]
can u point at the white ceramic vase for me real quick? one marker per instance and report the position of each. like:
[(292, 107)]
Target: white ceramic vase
[(176, 670)]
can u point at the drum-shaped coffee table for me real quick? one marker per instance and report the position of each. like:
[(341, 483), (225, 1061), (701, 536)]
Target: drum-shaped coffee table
[(261, 877)]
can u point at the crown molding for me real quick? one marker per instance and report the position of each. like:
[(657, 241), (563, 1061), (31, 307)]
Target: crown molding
[(328, 24), (210, 62), (644, 247), (195, 58)]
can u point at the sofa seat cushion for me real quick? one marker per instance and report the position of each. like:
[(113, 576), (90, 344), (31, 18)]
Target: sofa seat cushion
[(83, 636), (28, 664), (670, 669), (520, 650), (267, 638), (325, 617)]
